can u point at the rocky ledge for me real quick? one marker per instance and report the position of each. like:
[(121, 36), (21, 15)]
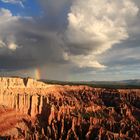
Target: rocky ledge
[(68, 112)]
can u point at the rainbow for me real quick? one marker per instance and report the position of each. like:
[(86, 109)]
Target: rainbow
[(37, 73)]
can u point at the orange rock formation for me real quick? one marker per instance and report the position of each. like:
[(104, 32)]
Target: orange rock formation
[(43, 111)]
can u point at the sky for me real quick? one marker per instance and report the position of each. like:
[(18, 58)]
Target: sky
[(70, 40)]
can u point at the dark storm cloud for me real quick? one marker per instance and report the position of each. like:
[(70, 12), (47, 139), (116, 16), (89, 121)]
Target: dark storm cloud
[(56, 8), (124, 62), (28, 43), (55, 13), (122, 56)]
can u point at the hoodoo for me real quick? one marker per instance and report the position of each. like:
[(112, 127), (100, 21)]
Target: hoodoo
[(31, 109)]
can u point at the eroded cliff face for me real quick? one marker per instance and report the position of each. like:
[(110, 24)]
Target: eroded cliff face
[(22, 94), (72, 112), (7, 82)]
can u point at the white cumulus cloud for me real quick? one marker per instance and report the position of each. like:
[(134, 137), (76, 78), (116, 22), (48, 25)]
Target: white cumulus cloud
[(7, 20), (12, 46), (6, 17), (97, 25)]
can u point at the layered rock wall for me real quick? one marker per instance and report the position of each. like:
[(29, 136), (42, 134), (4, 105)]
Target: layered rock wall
[(6, 82), (25, 103), (11, 82), (22, 94)]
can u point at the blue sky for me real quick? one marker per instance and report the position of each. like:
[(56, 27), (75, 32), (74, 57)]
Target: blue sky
[(70, 40), (31, 8)]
